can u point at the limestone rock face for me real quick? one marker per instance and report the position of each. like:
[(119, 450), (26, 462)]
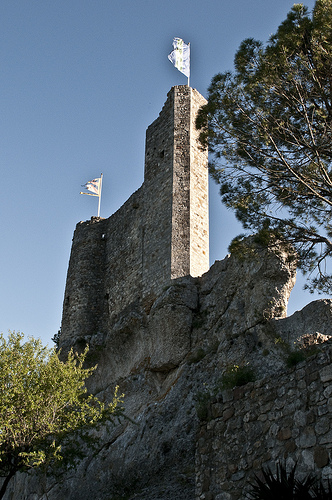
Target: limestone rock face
[(309, 326), (170, 326), (166, 358)]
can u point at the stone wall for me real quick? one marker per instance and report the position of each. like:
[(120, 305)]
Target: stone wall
[(158, 235), (104, 272), (285, 419), (199, 203), (85, 279)]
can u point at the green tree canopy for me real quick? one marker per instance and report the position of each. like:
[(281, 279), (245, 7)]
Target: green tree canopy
[(270, 136), (43, 405)]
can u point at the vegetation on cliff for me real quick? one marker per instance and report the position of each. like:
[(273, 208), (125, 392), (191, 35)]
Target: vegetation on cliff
[(44, 407), (270, 136)]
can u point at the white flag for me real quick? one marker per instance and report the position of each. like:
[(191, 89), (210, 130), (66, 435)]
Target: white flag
[(180, 56), (93, 186)]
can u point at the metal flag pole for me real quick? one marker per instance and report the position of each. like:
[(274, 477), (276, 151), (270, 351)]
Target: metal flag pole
[(99, 197), (189, 64)]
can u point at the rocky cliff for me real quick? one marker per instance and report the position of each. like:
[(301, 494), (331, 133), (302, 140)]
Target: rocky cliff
[(169, 359)]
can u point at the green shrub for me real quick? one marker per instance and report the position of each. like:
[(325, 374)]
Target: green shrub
[(202, 399), (236, 376), (295, 357)]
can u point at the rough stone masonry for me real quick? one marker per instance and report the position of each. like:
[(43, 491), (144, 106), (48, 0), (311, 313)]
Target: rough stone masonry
[(161, 233), (165, 328)]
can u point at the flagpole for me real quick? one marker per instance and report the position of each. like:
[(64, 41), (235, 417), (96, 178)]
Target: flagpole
[(99, 197), (189, 63)]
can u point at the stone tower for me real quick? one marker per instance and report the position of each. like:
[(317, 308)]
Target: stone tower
[(160, 234), (176, 193)]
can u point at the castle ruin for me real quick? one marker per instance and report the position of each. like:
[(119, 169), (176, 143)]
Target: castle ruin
[(165, 328), (160, 234)]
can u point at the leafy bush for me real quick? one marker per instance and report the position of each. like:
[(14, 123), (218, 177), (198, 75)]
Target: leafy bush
[(236, 376), (45, 407), (202, 399), (295, 357)]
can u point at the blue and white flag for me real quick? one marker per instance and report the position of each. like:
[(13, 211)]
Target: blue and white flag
[(94, 186), (180, 56)]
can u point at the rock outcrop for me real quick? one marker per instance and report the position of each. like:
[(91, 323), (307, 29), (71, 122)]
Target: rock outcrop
[(168, 360)]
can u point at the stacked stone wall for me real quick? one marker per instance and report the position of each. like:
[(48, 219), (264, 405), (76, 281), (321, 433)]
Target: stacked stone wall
[(158, 235), (199, 200), (159, 157), (83, 304), (180, 242), (104, 273), (285, 419), (123, 261)]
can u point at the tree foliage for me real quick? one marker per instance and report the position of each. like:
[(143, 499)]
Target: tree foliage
[(270, 136), (44, 406)]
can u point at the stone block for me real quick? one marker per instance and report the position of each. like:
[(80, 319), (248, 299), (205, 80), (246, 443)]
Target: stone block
[(326, 373), (284, 434), (307, 438), (321, 456)]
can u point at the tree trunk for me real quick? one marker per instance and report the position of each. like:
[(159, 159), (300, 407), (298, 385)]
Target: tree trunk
[(5, 483)]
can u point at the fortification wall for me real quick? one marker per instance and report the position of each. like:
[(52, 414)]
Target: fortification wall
[(159, 159), (85, 279), (104, 273), (176, 238), (285, 419), (158, 235), (199, 203)]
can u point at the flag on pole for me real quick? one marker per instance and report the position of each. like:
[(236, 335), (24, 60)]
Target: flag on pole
[(94, 187), (180, 56)]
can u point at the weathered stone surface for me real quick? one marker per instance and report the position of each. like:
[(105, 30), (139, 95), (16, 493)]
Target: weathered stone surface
[(168, 361), (288, 438), (309, 326), (160, 234), (166, 335), (321, 456), (326, 374)]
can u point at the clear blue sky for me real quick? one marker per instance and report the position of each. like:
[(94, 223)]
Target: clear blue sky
[(81, 80)]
